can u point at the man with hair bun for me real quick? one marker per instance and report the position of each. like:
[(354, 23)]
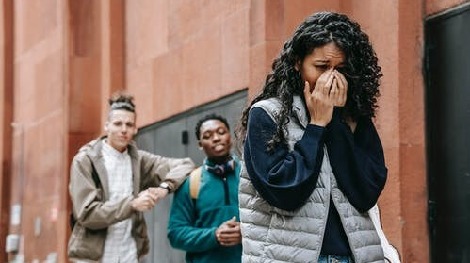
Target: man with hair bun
[(112, 183)]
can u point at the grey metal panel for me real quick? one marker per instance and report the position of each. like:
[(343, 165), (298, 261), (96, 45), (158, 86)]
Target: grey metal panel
[(157, 221), (232, 112), (168, 142), (447, 128), (146, 140), (168, 138)]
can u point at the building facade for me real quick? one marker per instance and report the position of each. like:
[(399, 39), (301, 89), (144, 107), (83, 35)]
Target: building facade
[(61, 59)]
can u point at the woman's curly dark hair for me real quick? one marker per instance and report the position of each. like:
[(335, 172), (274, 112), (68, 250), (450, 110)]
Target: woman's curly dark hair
[(361, 70)]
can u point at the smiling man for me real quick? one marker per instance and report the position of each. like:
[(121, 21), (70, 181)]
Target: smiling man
[(204, 217)]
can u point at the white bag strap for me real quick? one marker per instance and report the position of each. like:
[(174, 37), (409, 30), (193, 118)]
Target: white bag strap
[(390, 252)]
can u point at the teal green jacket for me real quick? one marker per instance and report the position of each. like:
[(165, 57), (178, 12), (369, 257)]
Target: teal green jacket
[(193, 222)]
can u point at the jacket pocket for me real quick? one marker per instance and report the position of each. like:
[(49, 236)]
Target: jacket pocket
[(140, 236), (85, 243)]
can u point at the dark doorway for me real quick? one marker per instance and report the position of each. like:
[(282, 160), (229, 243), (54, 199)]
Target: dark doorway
[(175, 137), (447, 70)]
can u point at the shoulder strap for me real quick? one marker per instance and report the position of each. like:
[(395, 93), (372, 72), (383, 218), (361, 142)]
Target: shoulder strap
[(390, 252), (94, 175), (194, 182), (96, 180)]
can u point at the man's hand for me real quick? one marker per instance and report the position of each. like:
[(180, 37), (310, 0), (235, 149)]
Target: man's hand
[(159, 193), (145, 201), (228, 234)]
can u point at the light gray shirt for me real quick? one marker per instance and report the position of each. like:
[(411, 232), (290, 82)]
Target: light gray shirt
[(119, 246)]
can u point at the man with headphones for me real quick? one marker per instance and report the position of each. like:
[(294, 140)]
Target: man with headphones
[(111, 184), (204, 217)]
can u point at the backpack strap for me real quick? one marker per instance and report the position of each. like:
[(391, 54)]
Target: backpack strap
[(194, 182), (94, 175), (96, 180)]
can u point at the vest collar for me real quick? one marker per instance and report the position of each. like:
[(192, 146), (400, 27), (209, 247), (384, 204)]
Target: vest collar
[(299, 110)]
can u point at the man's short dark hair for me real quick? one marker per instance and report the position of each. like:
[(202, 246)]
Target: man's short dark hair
[(209, 117)]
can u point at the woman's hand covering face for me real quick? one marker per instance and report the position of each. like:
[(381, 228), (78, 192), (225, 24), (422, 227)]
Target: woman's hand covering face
[(330, 91)]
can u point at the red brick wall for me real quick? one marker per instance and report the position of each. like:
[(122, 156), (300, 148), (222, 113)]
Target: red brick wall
[(6, 89), (36, 101)]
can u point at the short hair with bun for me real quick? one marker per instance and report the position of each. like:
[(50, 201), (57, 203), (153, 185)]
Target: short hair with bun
[(121, 101)]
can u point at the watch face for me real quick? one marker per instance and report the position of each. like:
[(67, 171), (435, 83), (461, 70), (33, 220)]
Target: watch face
[(165, 185)]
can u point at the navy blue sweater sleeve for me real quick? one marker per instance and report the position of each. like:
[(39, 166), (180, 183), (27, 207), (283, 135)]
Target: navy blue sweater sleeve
[(285, 179), (357, 160)]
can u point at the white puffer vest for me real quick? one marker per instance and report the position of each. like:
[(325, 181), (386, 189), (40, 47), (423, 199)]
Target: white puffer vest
[(271, 234)]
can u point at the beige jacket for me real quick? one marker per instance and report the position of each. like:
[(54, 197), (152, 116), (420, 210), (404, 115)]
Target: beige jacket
[(92, 212)]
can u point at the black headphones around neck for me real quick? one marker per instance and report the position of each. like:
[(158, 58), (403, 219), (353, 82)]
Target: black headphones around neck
[(221, 169)]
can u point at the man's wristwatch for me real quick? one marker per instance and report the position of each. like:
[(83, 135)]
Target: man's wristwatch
[(165, 185)]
